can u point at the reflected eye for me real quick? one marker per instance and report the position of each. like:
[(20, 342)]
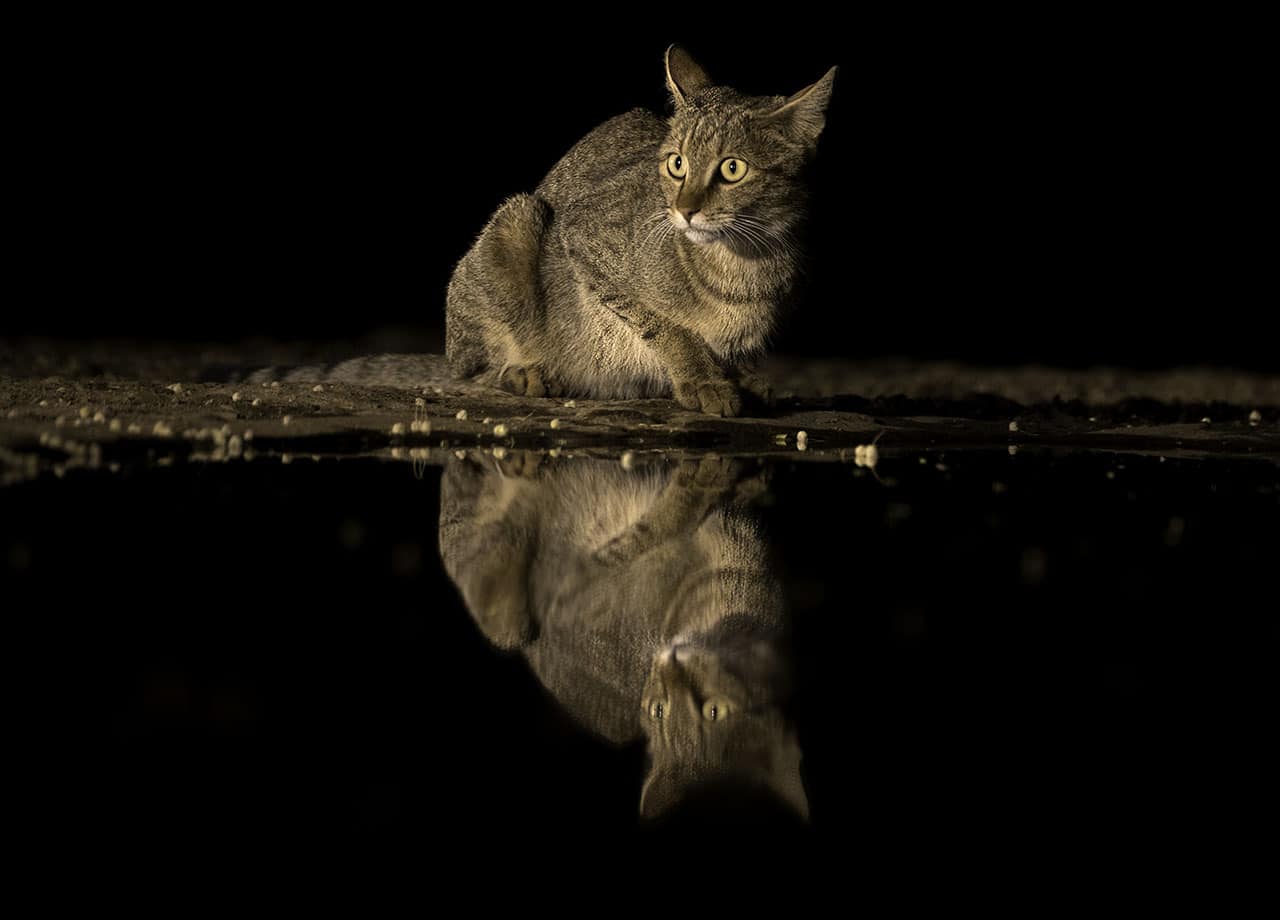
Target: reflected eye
[(677, 166), (657, 709), (714, 710), (733, 169)]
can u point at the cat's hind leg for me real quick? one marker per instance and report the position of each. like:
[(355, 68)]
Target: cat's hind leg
[(493, 317)]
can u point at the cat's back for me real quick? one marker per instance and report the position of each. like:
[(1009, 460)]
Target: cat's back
[(624, 146)]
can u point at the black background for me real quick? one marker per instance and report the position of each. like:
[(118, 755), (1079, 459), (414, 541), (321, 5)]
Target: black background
[(1034, 187)]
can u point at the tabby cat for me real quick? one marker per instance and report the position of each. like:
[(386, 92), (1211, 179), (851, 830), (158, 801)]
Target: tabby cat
[(644, 602), (654, 257)]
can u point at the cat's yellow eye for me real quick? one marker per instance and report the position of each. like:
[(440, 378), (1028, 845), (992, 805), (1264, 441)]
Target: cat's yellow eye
[(677, 166), (657, 709), (733, 169), (713, 710)]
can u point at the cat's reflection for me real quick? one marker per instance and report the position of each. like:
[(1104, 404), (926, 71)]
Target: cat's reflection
[(644, 602)]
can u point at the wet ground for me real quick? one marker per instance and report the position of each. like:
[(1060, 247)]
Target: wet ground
[(1065, 629)]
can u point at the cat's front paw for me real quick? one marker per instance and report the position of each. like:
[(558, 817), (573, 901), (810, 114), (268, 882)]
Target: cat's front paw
[(713, 396)]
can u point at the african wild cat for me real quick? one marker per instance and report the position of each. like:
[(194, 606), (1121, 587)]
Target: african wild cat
[(643, 602), (654, 257)]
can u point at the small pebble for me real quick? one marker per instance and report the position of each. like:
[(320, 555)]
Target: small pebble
[(275, 385), (134, 428), (1255, 418), (286, 458), (941, 467), (248, 434), (115, 424), (235, 446), (571, 405), (1206, 421), (44, 402), (499, 452), (397, 428), (460, 454), (235, 397), (924, 460), (486, 420), (1013, 450), (499, 430), (554, 452), (318, 388), (256, 402), (161, 430), (99, 417), (628, 461), (287, 419), (1093, 418), (174, 388), (84, 411), (555, 423), (1013, 426), (462, 415)]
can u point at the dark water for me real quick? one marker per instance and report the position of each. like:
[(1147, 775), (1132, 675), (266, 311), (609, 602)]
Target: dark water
[(1029, 647)]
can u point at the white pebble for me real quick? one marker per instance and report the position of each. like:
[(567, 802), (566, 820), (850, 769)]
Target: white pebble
[(161, 430), (499, 430), (256, 402), (499, 452), (44, 402), (99, 417), (1206, 420), (555, 423), (397, 428), (571, 405), (235, 397), (318, 388), (628, 461), (1255, 417), (462, 415), (460, 454), (287, 419), (1013, 426), (286, 458), (486, 420), (554, 452), (802, 440), (174, 388), (84, 411)]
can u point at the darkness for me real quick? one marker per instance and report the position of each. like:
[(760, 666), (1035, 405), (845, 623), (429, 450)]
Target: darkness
[(1035, 187)]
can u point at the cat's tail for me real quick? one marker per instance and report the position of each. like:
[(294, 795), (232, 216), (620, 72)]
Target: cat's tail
[(408, 372)]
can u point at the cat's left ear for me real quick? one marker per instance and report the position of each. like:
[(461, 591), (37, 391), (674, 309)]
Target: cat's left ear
[(804, 115), (684, 76)]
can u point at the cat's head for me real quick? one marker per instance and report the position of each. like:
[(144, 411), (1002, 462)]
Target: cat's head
[(732, 166), (714, 721)]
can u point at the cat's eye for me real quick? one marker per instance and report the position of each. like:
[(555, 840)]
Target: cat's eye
[(657, 709), (676, 166), (714, 710), (733, 169)]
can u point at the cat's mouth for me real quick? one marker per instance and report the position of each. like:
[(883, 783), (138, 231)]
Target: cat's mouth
[(701, 236)]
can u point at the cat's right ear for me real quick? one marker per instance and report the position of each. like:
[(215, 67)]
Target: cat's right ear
[(684, 76)]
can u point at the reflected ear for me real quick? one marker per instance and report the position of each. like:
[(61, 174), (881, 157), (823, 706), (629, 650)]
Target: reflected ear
[(804, 115), (684, 76), (660, 792), (784, 777)]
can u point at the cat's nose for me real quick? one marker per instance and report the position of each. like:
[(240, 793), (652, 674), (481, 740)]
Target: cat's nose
[(687, 213)]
